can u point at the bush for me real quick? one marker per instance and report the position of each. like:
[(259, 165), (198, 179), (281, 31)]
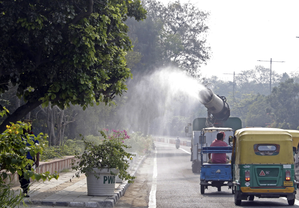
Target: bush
[(139, 143), (69, 148), (13, 149), (109, 153), (8, 197)]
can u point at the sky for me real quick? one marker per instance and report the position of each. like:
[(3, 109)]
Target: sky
[(245, 31)]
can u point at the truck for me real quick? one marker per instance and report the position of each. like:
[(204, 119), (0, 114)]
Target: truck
[(205, 129)]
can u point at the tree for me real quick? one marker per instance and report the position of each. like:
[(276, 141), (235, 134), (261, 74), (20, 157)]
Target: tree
[(171, 35), (162, 42), (64, 52), (258, 114), (256, 80), (184, 36), (145, 36), (284, 101)]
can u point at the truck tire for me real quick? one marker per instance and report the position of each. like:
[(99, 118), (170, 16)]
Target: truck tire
[(202, 189), (251, 198), (196, 167), (291, 202)]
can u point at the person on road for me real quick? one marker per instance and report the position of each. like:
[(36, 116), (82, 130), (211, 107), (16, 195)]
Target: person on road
[(23, 181), (178, 142), (218, 142)]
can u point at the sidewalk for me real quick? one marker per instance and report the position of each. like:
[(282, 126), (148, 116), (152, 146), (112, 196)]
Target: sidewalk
[(71, 191)]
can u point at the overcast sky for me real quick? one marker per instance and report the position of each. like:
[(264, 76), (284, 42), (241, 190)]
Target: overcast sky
[(242, 32)]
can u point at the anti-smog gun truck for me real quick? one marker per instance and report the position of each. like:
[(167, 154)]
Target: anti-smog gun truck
[(205, 130)]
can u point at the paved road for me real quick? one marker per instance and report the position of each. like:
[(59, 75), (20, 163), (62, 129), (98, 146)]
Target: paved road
[(174, 185), (165, 180)]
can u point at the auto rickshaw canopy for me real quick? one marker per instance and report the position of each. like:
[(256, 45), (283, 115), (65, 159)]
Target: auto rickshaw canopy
[(251, 146), (295, 137)]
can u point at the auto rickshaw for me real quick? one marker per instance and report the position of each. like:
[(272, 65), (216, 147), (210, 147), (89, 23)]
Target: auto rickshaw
[(263, 164), (295, 137)]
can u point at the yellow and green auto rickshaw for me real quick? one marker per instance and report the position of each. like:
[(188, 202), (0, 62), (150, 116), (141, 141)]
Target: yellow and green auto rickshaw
[(263, 164), (295, 137)]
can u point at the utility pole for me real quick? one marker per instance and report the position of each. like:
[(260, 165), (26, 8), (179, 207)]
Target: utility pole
[(271, 70), (234, 83)]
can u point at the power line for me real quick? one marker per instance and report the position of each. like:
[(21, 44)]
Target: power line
[(271, 70)]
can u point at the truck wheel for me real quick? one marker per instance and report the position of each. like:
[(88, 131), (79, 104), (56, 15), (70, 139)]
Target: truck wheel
[(251, 198), (202, 189), (291, 202), (237, 199), (219, 188), (196, 167)]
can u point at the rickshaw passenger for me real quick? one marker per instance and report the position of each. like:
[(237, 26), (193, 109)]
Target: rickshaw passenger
[(218, 157)]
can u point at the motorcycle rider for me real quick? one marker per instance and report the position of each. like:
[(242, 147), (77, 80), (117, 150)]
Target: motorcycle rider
[(178, 142)]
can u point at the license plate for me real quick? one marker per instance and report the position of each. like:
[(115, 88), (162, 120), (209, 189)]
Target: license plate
[(288, 183)]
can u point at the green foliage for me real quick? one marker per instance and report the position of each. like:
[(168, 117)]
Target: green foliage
[(258, 114), (71, 52), (71, 147), (8, 197), (257, 80), (171, 35), (284, 101), (184, 35), (139, 143), (110, 153), (13, 150)]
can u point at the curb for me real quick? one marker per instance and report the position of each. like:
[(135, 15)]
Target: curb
[(108, 202)]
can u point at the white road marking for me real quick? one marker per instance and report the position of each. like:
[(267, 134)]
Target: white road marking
[(185, 151), (152, 196)]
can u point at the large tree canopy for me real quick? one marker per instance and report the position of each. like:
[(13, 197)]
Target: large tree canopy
[(64, 52), (171, 35), (284, 100)]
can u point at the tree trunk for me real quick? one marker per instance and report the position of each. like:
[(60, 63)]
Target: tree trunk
[(60, 126), (52, 127), (19, 114)]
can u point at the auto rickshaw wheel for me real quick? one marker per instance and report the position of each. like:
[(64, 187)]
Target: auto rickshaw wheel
[(219, 188), (291, 202), (251, 198), (202, 189), (237, 198), (233, 191)]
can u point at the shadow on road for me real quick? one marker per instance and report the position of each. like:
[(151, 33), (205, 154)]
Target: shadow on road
[(257, 203), (218, 194)]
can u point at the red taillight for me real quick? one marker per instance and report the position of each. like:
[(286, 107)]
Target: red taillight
[(247, 175), (288, 175)]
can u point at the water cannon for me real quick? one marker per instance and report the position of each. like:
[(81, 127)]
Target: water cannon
[(217, 107)]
